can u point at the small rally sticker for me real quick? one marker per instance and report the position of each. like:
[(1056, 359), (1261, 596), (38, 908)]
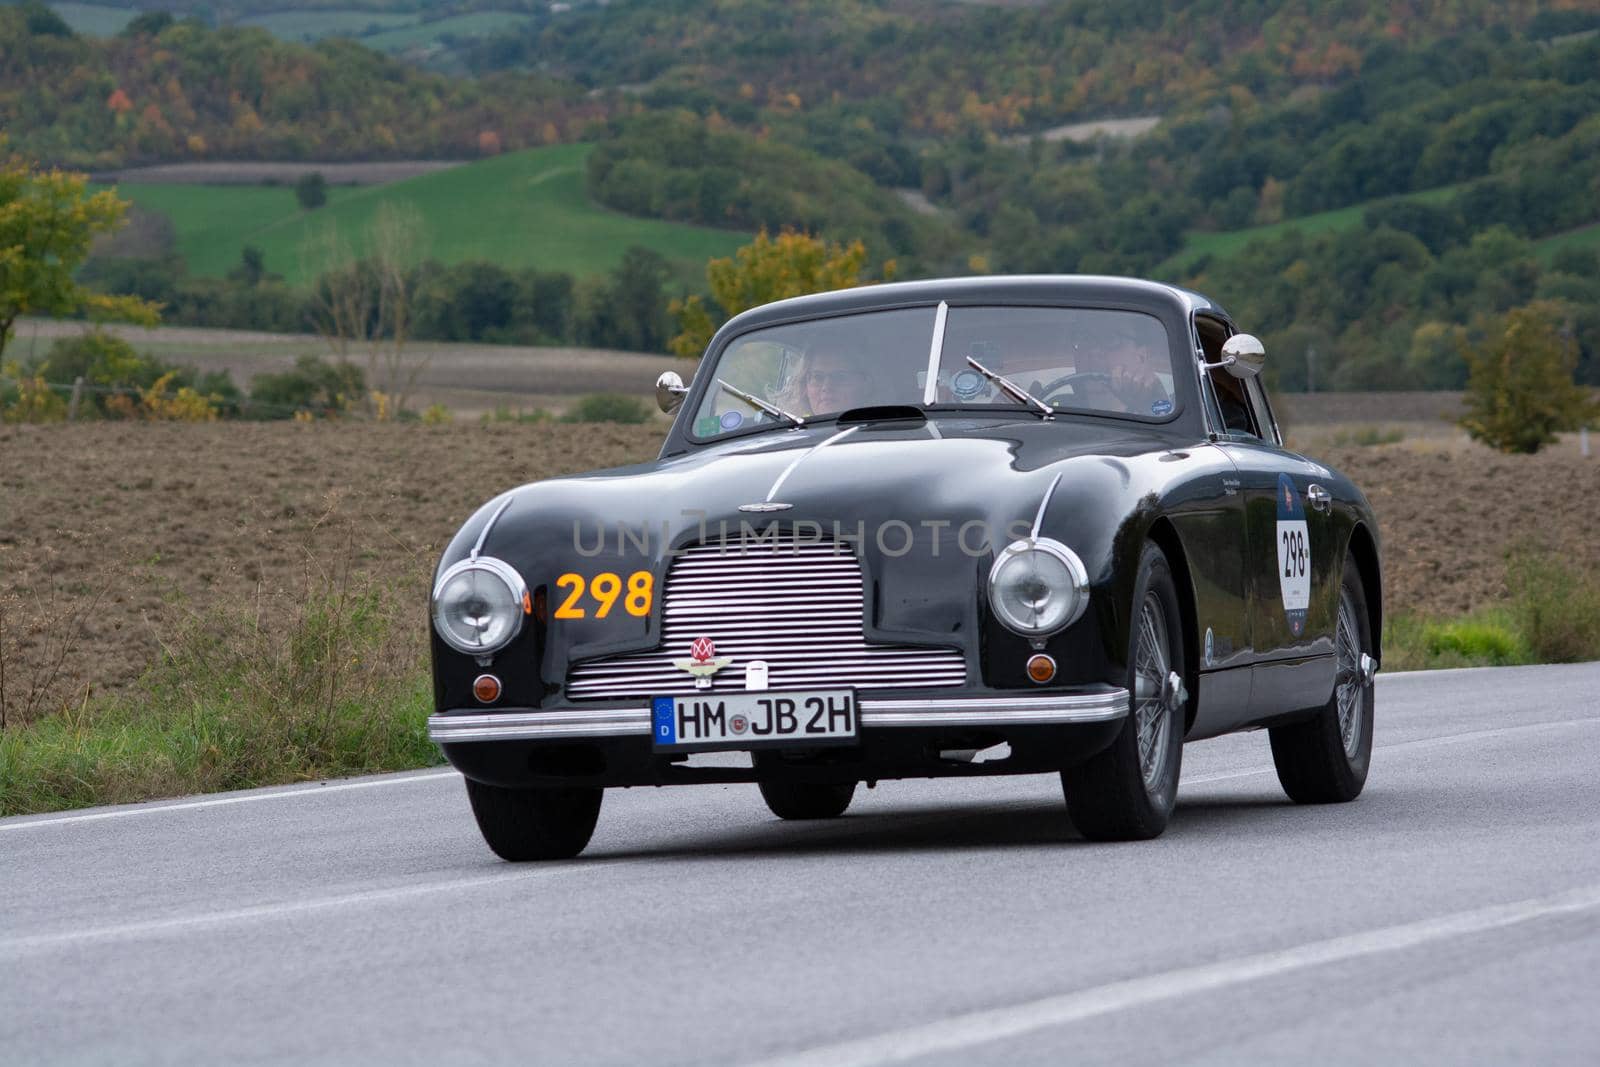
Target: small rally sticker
[(1161, 407), (731, 420), (1294, 555)]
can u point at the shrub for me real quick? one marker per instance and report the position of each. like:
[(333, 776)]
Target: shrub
[(1474, 641), (314, 387), (120, 382), (505, 414), (1367, 436), (1521, 388), (1558, 610), (28, 398), (607, 407)]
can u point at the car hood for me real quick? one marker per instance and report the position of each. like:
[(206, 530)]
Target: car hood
[(928, 504)]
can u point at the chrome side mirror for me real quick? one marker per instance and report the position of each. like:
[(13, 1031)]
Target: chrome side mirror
[(670, 391), (1243, 355)]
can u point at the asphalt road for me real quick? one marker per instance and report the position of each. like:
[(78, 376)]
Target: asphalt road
[(1452, 914)]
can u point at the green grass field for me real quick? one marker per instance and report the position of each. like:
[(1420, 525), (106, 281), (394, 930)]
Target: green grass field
[(1228, 242), (94, 20), (383, 31), (1587, 237), (472, 24), (312, 25), (522, 209)]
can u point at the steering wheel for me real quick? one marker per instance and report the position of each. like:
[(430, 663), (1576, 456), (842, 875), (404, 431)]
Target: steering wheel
[(1069, 379)]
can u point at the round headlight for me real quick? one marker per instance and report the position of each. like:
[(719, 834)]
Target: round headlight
[(1038, 587), (478, 605)]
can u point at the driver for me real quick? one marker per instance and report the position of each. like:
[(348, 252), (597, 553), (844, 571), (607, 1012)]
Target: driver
[(1129, 360), (833, 380)]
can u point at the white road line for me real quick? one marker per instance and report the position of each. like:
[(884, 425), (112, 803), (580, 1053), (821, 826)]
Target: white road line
[(1421, 742), (217, 802), (319, 790), (998, 1024), (272, 911)]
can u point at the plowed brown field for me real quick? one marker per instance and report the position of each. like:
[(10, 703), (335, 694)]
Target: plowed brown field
[(110, 532)]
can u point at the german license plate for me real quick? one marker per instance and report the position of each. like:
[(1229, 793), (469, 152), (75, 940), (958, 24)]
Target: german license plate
[(753, 720)]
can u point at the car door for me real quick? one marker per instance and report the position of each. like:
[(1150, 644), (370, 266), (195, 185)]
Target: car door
[(1293, 576)]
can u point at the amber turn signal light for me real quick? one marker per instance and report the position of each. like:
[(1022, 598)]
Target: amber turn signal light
[(1041, 668), (486, 687)]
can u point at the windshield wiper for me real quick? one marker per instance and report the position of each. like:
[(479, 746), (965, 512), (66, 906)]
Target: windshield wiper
[(770, 409), (1012, 389)]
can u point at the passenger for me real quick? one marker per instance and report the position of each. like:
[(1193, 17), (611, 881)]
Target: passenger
[(1129, 361)]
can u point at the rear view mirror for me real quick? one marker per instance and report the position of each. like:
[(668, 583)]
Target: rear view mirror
[(1243, 355), (669, 391)]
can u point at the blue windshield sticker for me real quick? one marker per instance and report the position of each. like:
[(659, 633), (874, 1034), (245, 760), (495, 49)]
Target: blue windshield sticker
[(967, 384), (731, 420), (1161, 407)]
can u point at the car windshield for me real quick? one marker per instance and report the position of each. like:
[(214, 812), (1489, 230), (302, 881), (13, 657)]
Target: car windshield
[(1074, 359)]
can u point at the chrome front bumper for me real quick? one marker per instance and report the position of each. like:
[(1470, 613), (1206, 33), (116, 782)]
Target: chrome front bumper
[(569, 723)]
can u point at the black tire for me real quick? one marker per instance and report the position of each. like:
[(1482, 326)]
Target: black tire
[(1115, 795), (1317, 761), (804, 800), (534, 824)]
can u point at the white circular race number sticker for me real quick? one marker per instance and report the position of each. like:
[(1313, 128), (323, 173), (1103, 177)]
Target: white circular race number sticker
[(1294, 555)]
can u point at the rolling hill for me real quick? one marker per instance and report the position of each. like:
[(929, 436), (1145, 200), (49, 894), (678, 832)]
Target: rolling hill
[(522, 209)]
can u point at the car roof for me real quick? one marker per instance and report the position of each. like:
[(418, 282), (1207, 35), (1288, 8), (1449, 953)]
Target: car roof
[(1006, 289)]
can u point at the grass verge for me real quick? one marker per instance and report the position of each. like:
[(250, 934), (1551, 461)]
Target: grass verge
[(235, 704), (1553, 616)]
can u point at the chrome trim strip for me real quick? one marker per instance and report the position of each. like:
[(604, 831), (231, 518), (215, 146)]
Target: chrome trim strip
[(1038, 520), (802, 457), (540, 725), (930, 388), (1101, 705), (1053, 709), (483, 535)]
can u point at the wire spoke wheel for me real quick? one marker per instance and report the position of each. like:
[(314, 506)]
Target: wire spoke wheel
[(1127, 790), (1153, 711), (1350, 682), (1324, 757)]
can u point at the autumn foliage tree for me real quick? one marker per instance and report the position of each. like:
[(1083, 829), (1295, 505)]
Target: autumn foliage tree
[(47, 220), (1521, 389), (767, 269)]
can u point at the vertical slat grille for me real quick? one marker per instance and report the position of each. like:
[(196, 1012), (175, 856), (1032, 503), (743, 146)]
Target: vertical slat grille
[(797, 607)]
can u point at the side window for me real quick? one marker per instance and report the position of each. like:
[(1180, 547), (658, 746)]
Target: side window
[(1262, 411), (1233, 401)]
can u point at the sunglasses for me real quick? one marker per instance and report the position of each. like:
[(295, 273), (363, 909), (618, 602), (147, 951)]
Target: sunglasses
[(835, 378)]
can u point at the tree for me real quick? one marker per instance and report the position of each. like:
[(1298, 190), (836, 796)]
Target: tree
[(367, 301), (311, 190), (767, 269), (47, 221), (252, 268), (1521, 388)]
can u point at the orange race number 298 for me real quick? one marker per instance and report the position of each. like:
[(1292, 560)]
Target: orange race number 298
[(605, 589)]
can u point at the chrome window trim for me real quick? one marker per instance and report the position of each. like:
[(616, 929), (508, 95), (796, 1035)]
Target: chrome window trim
[(1265, 420), (1104, 704)]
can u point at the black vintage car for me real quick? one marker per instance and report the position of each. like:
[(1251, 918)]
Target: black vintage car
[(972, 526)]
